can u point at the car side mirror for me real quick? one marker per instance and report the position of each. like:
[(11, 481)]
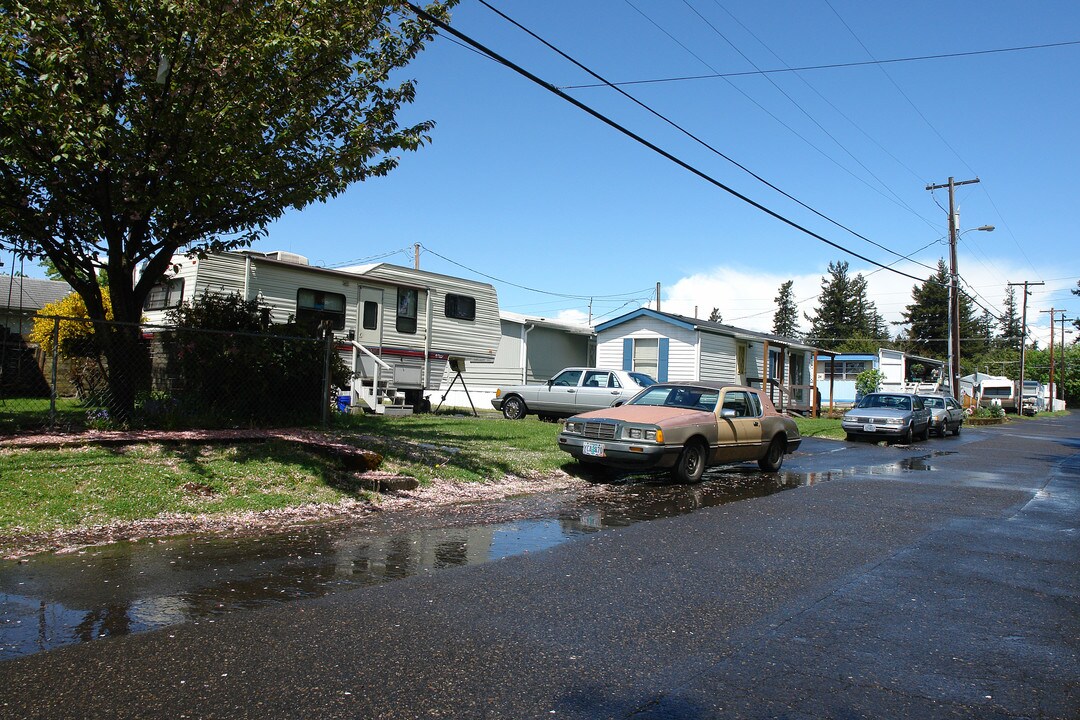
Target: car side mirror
[(551, 382), (727, 413)]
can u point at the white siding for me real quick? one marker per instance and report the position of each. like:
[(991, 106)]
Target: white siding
[(476, 339), (682, 349), (717, 357)]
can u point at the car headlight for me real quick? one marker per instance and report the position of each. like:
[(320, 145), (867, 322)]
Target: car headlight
[(647, 434), (575, 427), (895, 421)]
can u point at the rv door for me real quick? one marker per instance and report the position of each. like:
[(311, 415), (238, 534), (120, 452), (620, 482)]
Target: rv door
[(369, 318)]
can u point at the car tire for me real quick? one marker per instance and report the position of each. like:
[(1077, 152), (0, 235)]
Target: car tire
[(774, 456), (691, 463), (925, 434), (908, 437), (956, 430), (849, 437), (514, 408)]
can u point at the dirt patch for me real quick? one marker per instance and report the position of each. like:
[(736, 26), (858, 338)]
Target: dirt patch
[(438, 494)]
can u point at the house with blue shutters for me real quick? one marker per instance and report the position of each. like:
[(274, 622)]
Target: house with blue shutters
[(675, 347)]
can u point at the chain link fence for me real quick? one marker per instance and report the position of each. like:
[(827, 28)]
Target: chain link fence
[(70, 374)]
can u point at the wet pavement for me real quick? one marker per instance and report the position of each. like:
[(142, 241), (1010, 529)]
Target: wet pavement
[(50, 600), (940, 580)]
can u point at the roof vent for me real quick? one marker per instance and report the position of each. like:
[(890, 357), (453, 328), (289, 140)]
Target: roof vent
[(287, 257)]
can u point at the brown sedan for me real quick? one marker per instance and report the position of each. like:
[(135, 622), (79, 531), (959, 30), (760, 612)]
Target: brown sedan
[(684, 427)]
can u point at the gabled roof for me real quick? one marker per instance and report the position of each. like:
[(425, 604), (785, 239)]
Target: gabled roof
[(30, 293), (705, 326)]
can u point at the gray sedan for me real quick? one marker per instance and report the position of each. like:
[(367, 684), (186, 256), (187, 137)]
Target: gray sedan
[(945, 414), (573, 390), (889, 416)]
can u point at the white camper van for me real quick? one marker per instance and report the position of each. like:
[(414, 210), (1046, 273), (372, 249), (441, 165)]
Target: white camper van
[(997, 390), (399, 329)]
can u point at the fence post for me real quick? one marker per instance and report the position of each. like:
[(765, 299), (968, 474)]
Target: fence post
[(55, 356), (329, 347)]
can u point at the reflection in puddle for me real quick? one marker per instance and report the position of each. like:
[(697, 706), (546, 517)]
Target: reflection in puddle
[(52, 600)]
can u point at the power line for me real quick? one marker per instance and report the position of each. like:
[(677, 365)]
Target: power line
[(652, 146), (692, 136), (830, 66), (530, 289)]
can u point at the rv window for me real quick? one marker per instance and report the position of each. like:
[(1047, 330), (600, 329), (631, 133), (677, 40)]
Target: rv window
[(406, 310), (371, 315), (165, 295), (461, 307), (314, 306)]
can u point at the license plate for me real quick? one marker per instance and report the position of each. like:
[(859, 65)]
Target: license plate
[(592, 449), (869, 427)]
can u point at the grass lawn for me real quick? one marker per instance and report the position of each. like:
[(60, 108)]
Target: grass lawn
[(49, 489), (21, 413), (820, 427)]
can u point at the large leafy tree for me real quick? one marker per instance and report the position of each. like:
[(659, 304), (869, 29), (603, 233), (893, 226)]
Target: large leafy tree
[(130, 131), (786, 318)]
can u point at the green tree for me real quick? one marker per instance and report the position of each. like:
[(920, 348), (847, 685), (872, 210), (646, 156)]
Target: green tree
[(1010, 321), (786, 318), (715, 316), (927, 317), (844, 311), (130, 131)]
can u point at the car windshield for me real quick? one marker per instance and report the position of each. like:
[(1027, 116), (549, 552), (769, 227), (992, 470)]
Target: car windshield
[(895, 402), (642, 379), (681, 396), (932, 402)]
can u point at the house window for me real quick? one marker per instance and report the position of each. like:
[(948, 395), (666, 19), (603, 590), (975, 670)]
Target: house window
[(406, 310), (461, 307), (370, 320), (647, 356), (315, 306), (168, 294)]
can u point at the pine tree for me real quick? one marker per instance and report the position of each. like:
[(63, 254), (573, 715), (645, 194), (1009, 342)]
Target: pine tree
[(1010, 321), (830, 323), (786, 318), (927, 317), (715, 316)]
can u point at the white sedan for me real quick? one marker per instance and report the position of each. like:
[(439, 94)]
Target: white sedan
[(571, 391)]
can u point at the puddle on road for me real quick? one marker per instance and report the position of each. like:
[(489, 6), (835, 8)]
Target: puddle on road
[(51, 600)]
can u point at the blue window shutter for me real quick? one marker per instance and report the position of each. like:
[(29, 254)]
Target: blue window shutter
[(662, 363), (628, 354)]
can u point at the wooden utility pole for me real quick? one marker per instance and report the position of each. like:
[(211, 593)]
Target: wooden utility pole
[(954, 296), (1052, 312), (1023, 338)]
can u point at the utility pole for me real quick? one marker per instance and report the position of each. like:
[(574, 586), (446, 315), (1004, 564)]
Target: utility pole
[(1052, 312), (954, 297), (416, 256), (1023, 339)]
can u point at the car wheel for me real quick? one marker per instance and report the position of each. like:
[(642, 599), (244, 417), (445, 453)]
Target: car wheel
[(774, 457), (849, 437), (514, 408), (925, 434), (907, 437), (691, 463), (956, 430)]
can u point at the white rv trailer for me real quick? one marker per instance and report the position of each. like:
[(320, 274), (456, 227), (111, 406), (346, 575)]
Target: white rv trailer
[(399, 329)]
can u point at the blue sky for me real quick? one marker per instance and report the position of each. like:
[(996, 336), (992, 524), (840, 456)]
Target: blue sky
[(553, 207)]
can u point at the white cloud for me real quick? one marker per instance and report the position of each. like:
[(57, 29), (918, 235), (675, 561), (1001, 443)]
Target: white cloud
[(745, 298)]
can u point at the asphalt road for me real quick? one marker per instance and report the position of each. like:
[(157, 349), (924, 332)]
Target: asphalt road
[(952, 592)]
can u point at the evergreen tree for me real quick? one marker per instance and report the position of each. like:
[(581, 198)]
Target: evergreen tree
[(845, 313), (786, 319), (927, 317), (1010, 321), (715, 316)]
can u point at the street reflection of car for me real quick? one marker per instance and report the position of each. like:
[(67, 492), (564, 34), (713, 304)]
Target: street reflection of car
[(888, 416), (946, 415), (572, 390), (683, 427)]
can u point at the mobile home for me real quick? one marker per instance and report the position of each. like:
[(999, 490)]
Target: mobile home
[(397, 328)]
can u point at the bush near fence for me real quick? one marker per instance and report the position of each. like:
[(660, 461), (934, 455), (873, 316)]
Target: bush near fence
[(199, 378)]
